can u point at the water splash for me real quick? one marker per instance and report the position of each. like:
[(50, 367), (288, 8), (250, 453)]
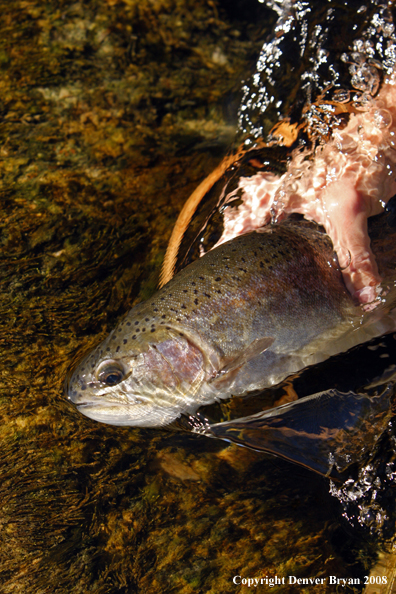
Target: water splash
[(367, 499), (304, 41)]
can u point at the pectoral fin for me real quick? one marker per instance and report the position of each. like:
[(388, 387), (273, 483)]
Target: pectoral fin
[(232, 366), (254, 349)]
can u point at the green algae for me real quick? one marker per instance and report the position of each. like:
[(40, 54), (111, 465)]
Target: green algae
[(111, 113)]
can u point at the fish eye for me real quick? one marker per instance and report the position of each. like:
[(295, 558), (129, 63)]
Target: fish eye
[(110, 373)]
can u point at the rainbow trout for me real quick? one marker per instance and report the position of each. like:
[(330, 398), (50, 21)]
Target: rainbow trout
[(241, 318)]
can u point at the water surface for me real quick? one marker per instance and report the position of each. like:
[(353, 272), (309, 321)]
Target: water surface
[(111, 113)]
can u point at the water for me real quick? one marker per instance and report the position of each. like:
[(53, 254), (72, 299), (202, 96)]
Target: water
[(111, 114)]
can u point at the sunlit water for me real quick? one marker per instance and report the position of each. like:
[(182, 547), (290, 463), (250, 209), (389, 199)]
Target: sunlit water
[(116, 510)]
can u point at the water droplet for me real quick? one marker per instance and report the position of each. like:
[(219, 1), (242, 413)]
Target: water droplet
[(382, 118)]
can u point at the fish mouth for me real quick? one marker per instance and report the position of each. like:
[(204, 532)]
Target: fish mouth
[(94, 410), (108, 414), (114, 414), (104, 402), (84, 405)]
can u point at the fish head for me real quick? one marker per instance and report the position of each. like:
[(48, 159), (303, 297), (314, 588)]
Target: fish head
[(144, 379)]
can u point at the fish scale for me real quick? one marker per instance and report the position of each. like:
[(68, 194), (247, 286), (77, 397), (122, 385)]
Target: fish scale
[(204, 296)]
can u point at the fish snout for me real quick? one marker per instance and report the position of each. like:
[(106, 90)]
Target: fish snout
[(75, 388)]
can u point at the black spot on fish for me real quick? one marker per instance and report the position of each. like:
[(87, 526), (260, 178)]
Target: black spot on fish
[(143, 329), (107, 349), (163, 316), (206, 295), (118, 348), (83, 387), (195, 292), (167, 327), (242, 269), (196, 301), (184, 290), (136, 323), (155, 309), (137, 330), (162, 298), (170, 295), (147, 319), (152, 330), (218, 278), (183, 306), (178, 319), (201, 278), (128, 323), (124, 341), (193, 284), (261, 265), (243, 259), (218, 291)]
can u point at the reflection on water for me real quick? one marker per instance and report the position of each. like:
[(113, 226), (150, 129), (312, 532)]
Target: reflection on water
[(112, 113)]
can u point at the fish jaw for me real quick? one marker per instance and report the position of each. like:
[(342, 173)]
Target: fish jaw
[(130, 415)]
